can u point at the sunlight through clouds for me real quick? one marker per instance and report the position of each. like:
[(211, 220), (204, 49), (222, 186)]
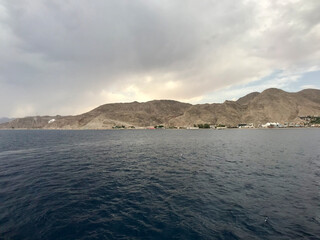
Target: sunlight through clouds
[(54, 53)]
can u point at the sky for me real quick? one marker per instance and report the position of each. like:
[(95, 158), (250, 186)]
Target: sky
[(69, 56)]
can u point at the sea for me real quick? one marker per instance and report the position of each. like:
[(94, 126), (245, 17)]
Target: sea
[(160, 184)]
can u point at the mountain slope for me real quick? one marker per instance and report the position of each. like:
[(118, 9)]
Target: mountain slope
[(246, 99), (128, 114), (270, 105), (280, 106)]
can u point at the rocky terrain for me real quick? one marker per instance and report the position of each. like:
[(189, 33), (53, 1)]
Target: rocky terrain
[(5, 119), (271, 105)]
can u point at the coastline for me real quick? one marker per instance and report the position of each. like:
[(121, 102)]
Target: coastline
[(137, 129)]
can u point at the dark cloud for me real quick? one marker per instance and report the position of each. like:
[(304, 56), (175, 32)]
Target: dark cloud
[(68, 56)]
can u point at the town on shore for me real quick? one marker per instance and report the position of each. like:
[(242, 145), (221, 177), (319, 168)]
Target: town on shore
[(306, 122)]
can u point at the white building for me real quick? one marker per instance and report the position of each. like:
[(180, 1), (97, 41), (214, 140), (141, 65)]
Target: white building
[(51, 121), (271, 125)]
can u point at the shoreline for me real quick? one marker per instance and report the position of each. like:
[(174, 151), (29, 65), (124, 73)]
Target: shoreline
[(137, 129)]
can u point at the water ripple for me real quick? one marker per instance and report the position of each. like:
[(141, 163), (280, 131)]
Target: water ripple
[(160, 184)]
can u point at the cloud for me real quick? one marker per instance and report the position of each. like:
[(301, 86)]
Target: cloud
[(279, 79), (308, 86), (64, 57)]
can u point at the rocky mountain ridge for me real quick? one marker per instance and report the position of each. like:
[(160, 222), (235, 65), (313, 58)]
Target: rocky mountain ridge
[(271, 105)]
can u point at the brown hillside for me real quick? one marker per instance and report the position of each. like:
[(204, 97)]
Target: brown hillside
[(271, 105)]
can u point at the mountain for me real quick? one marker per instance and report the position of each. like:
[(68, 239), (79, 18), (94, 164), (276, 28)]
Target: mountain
[(5, 120), (271, 105), (246, 99)]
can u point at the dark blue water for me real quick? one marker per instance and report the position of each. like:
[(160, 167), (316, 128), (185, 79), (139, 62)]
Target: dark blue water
[(160, 184)]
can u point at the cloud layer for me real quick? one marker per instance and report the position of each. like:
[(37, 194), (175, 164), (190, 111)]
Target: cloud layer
[(65, 57)]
